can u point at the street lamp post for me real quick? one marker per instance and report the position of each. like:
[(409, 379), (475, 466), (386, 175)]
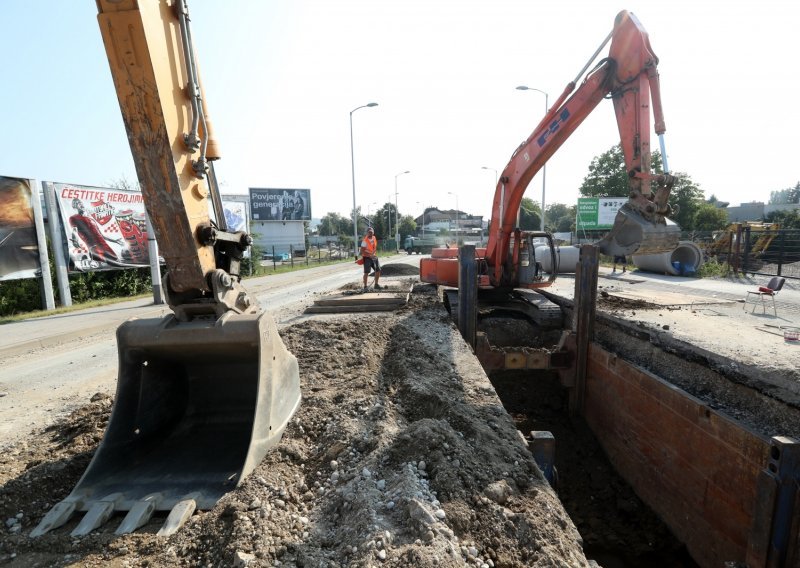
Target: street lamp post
[(369, 208), (458, 220), (495, 173), (389, 216), (544, 167), (353, 173), (423, 218), (396, 221)]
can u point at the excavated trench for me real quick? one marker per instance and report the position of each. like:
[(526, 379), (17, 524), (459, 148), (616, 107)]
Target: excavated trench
[(617, 528), (661, 468)]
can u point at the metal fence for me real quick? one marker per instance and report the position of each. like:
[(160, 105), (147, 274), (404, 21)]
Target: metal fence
[(752, 250), (272, 257)]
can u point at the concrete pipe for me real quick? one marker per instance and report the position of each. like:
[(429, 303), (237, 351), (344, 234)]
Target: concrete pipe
[(683, 261), (567, 258)]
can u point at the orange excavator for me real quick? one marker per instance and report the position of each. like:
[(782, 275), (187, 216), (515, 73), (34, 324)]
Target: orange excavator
[(629, 77), (205, 392)]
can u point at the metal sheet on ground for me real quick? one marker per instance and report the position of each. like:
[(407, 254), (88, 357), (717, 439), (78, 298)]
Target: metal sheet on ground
[(669, 298), (389, 298)]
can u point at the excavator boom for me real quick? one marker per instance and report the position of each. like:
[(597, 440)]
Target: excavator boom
[(203, 393), (629, 77)]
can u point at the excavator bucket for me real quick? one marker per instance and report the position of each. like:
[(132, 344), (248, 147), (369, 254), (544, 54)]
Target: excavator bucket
[(198, 405), (633, 234)]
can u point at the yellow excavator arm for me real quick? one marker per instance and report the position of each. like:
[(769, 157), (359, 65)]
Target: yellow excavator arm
[(205, 392), (151, 56)]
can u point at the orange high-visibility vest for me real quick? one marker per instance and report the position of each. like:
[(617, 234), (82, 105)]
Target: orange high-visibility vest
[(371, 244)]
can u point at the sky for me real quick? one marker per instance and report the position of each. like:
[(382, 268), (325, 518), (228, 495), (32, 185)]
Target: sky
[(282, 78)]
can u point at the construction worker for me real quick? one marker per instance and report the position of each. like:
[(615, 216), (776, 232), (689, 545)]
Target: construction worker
[(620, 259), (369, 252)]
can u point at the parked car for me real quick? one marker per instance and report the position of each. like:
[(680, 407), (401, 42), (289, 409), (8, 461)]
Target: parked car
[(277, 257)]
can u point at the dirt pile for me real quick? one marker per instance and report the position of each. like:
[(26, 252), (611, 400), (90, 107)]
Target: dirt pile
[(400, 455)]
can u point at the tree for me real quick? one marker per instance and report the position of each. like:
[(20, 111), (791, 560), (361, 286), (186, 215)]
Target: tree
[(560, 218), (334, 224), (708, 217), (785, 196), (530, 215), (383, 222), (124, 183), (688, 197), (608, 177), (788, 219), (713, 200), (408, 226)]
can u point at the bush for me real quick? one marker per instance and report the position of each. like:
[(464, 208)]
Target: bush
[(88, 286), (18, 296), (712, 268), (21, 296)]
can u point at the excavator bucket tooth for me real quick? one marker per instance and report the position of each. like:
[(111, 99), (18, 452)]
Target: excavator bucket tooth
[(198, 405), (178, 516), (98, 513), (139, 514), (633, 234), (55, 517)]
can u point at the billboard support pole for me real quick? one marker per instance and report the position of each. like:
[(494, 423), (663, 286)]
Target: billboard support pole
[(47, 283), (155, 267), (56, 239)]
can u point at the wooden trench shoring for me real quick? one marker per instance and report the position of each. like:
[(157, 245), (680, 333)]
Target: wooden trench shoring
[(729, 494)]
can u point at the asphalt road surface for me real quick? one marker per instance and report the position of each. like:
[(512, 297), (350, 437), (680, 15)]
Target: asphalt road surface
[(55, 364)]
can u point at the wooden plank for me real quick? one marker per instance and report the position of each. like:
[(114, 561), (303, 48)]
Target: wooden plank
[(360, 300), (365, 308)]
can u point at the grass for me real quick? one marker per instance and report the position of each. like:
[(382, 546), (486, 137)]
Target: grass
[(261, 271), (68, 309), (285, 266)]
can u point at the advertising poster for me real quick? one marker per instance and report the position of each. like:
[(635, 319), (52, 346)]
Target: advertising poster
[(607, 210), (598, 212), (19, 249), (104, 228), (235, 214), (280, 204), (235, 209)]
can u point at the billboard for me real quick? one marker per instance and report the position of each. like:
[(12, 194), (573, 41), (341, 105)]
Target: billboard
[(235, 213), (19, 248), (598, 212), (104, 228), (235, 210), (270, 204)]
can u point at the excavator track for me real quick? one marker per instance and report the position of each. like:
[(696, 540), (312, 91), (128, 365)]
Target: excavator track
[(537, 308)]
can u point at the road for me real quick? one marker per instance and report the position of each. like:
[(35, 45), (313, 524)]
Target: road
[(54, 364)]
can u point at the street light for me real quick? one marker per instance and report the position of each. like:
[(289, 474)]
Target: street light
[(389, 215), (544, 167), (458, 221), (495, 173), (353, 171), (396, 222), (423, 218)]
